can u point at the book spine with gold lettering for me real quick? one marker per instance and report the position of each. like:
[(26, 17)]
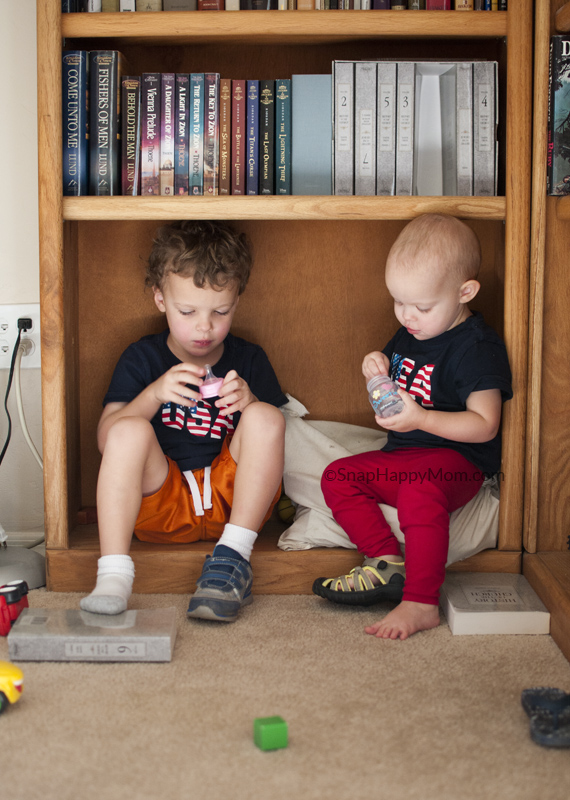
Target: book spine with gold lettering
[(283, 136), (225, 135), (238, 136), (266, 137)]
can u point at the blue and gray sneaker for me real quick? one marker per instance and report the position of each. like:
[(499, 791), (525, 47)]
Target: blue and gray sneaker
[(222, 589)]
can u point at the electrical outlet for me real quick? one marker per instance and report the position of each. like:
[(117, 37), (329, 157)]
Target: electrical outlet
[(9, 316)]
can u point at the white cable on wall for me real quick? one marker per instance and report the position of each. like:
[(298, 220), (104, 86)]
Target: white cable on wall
[(23, 350)]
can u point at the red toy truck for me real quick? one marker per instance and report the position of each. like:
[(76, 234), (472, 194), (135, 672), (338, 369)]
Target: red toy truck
[(13, 600)]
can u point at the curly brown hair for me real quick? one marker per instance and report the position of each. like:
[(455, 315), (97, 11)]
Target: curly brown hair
[(211, 253)]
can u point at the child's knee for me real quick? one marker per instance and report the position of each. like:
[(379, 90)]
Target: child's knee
[(129, 432), (266, 419)]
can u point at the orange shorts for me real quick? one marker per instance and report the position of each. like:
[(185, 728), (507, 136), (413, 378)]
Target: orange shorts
[(170, 515)]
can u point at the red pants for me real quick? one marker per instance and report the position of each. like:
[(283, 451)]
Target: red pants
[(424, 485)]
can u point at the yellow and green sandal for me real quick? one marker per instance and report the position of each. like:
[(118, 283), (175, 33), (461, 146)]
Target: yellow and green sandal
[(391, 575)]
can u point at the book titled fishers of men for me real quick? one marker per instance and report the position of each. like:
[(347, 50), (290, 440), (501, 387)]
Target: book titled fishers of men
[(105, 68), (75, 120)]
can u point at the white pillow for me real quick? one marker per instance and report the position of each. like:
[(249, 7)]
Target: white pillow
[(310, 446)]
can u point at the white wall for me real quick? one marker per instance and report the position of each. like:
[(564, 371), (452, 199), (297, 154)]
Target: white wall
[(21, 492)]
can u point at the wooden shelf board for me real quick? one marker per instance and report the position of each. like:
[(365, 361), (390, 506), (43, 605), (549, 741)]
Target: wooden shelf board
[(175, 568), (273, 27), (291, 207), (549, 575)]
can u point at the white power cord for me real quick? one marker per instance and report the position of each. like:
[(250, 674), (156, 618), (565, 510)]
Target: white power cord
[(23, 350)]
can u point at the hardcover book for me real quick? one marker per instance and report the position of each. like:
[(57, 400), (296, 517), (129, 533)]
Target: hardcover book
[(130, 135), (405, 127), (179, 5), (127, 5), (75, 119), (252, 172), (485, 116), (283, 136), (484, 603), (211, 133), (150, 133), (110, 6), (386, 130), (225, 135), (558, 154), (438, 5), (181, 133), (258, 5), (365, 97), (343, 114), (210, 5), (196, 179), (238, 128), (311, 141), (167, 128), (105, 67), (266, 137), (464, 128), (51, 634), (149, 5)]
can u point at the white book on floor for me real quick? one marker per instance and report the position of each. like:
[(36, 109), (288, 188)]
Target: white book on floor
[(492, 603)]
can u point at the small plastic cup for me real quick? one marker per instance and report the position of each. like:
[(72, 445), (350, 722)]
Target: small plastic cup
[(384, 397)]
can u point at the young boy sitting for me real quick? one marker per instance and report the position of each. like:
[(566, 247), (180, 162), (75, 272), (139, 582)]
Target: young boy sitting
[(453, 375), (176, 467)]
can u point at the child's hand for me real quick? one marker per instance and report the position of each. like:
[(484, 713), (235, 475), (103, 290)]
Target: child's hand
[(375, 363), (172, 386), (235, 394), (411, 418)]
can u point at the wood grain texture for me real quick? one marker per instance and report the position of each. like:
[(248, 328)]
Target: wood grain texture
[(549, 576)]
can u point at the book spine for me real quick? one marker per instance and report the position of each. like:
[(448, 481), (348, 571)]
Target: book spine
[(252, 174), (104, 122), (196, 179), (181, 134), (179, 5), (211, 5), (381, 5), (237, 136), (131, 135), (438, 5), (127, 5), (283, 136), (365, 96), (405, 127), (93, 6), (149, 5), (386, 134), (150, 133), (232, 5), (167, 101), (110, 6), (484, 128), (343, 80), (267, 137), (68, 6), (464, 5), (225, 135), (311, 137), (464, 128), (211, 133), (558, 159), (75, 123)]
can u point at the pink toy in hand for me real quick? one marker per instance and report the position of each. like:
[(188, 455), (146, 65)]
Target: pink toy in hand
[(211, 385)]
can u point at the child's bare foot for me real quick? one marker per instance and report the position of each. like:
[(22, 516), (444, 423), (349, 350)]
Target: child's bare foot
[(406, 619)]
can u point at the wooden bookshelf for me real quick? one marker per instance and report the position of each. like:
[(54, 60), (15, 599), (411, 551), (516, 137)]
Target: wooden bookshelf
[(316, 301), (547, 497)]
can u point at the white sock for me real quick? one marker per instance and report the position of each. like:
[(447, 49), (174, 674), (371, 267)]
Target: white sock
[(115, 575), (239, 539)]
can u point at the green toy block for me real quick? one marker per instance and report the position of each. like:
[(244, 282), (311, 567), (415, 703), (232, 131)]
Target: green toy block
[(270, 733)]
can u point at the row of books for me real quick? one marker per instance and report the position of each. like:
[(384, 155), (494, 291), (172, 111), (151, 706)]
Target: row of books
[(415, 128), (110, 6), (558, 153), (191, 133)]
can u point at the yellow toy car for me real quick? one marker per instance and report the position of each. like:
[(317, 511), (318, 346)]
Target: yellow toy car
[(11, 684)]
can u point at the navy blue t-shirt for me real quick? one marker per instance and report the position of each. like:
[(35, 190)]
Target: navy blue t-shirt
[(441, 373), (192, 438)]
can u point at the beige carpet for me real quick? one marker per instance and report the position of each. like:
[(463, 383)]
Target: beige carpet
[(435, 716)]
